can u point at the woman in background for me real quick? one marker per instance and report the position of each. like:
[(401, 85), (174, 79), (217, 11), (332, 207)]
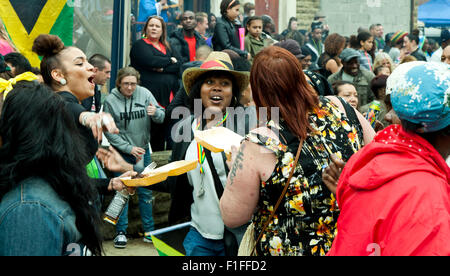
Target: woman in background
[(329, 62), (135, 111), (153, 58), (225, 33)]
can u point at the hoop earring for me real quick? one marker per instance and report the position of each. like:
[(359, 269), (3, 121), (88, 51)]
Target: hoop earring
[(63, 81)]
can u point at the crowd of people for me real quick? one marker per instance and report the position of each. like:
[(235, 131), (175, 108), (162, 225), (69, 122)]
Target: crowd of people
[(344, 149)]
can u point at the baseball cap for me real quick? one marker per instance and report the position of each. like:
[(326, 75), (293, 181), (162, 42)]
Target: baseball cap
[(348, 53), (420, 94), (292, 46), (445, 35), (316, 25)]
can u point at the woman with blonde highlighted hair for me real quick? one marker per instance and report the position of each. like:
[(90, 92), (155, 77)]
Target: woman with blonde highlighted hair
[(383, 59), (314, 127)]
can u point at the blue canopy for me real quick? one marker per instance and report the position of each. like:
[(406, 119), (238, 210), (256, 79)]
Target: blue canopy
[(435, 13)]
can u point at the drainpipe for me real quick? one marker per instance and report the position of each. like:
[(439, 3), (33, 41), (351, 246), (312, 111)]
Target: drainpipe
[(412, 16)]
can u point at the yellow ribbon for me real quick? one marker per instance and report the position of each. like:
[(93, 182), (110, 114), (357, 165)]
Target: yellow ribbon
[(7, 85)]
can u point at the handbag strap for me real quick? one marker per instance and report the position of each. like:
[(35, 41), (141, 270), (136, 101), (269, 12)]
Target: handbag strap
[(350, 112), (217, 182), (281, 196)]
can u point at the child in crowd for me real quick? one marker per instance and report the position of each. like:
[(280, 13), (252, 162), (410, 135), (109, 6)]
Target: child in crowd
[(365, 40), (254, 41)]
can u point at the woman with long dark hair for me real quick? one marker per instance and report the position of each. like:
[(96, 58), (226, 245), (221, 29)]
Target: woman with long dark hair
[(46, 198), (314, 127), (329, 61)]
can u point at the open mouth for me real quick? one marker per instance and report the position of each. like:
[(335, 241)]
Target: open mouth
[(91, 79), (216, 99)]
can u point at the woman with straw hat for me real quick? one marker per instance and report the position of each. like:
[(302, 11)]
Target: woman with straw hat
[(213, 89)]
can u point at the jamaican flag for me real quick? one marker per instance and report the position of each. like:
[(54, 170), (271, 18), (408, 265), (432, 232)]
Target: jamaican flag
[(169, 241), (26, 19)]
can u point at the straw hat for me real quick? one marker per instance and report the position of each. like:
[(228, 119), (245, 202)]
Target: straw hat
[(216, 61)]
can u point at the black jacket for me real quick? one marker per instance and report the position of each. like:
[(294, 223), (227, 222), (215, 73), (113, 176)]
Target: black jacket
[(180, 47), (226, 37), (87, 103), (147, 60)]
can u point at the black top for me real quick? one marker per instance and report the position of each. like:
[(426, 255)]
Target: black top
[(225, 37), (181, 48), (418, 54), (319, 83), (75, 109), (95, 100)]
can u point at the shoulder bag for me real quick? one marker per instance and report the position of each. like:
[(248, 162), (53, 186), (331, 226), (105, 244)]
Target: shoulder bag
[(248, 243)]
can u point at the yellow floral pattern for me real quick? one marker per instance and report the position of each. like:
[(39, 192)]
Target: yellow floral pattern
[(305, 222)]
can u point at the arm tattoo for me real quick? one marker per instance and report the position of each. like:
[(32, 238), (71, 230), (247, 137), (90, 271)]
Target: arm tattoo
[(237, 164)]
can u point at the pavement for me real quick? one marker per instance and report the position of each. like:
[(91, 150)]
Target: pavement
[(135, 247)]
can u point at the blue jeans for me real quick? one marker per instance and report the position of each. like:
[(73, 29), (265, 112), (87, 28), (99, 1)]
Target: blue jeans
[(145, 198), (196, 245)]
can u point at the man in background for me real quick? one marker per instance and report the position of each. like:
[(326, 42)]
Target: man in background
[(352, 72), (445, 41), (377, 32), (102, 70), (202, 26), (186, 40)]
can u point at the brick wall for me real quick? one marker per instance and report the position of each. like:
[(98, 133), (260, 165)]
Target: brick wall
[(306, 9)]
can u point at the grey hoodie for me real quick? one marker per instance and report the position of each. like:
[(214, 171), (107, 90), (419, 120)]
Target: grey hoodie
[(130, 116)]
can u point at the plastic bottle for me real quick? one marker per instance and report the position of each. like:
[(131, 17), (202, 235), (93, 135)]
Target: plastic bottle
[(373, 112)]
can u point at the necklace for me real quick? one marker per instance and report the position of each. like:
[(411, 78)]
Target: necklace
[(200, 150)]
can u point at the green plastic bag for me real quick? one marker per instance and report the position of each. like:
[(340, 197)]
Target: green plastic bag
[(94, 170)]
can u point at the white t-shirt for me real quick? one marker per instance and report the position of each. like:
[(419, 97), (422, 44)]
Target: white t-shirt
[(205, 210), (437, 55)]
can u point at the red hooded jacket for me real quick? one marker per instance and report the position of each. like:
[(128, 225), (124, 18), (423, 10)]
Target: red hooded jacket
[(394, 196)]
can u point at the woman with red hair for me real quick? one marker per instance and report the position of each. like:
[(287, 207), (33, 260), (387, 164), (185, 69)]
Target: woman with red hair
[(314, 127)]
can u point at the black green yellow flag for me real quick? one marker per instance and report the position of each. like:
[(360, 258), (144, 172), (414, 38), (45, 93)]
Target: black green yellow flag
[(169, 241), (26, 19)]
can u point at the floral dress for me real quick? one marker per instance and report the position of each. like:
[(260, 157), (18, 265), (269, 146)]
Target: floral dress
[(305, 222)]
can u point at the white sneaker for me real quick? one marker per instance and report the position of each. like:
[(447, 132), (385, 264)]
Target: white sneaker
[(120, 241), (147, 237)]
